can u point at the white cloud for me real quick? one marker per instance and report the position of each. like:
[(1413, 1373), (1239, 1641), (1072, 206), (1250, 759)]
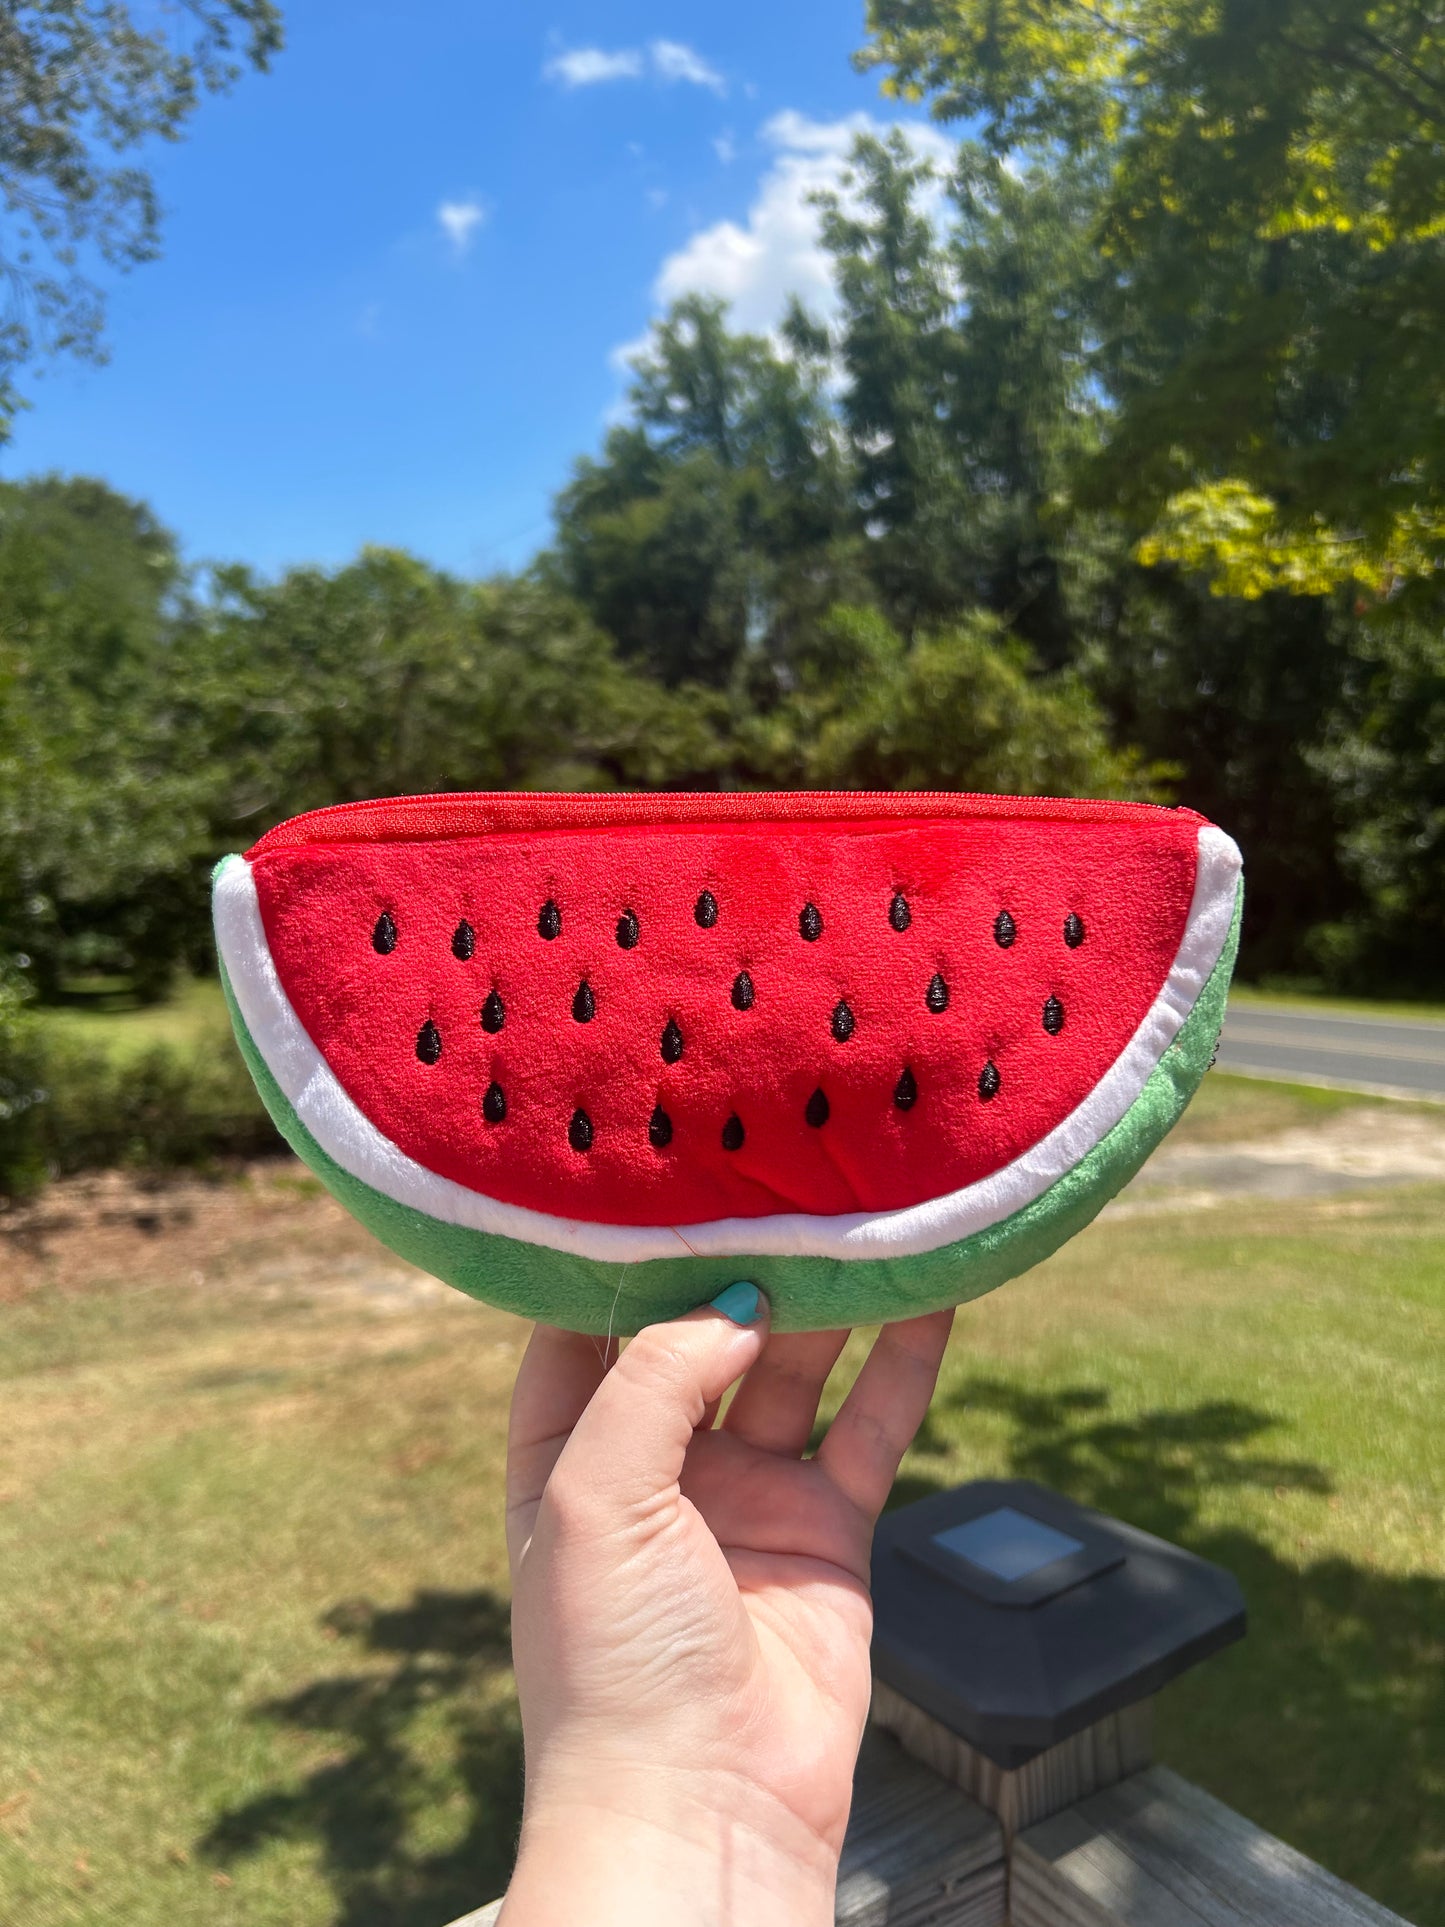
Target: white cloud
[(593, 66), (672, 61), (459, 221), (669, 61), (755, 264), (725, 147)]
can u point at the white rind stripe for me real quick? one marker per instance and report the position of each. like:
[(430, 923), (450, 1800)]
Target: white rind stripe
[(345, 1133)]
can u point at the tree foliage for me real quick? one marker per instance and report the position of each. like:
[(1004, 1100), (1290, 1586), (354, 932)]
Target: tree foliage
[(83, 87), (101, 804), (961, 707), (1273, 215), (965, 402), (717, 520)]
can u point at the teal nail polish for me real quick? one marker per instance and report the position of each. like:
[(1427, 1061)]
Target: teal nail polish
[(741, 1302)]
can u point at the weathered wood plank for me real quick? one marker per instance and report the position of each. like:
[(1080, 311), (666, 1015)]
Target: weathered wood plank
[(919, 1853), (484, 1917), (1157, 1852)]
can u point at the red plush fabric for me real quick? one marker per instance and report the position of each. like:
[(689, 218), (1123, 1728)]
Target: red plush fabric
[(1127, 874), (397, 819)]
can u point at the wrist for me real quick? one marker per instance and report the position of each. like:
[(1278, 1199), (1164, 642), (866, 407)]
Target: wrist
[(687, 1847)]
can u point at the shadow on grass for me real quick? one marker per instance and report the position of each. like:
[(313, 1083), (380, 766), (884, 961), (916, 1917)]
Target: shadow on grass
[(1327, 1724), (430, 1734)]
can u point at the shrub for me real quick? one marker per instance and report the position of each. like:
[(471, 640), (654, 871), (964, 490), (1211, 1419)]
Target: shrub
[(163, 1108), (66, 1107), (21, 1085)]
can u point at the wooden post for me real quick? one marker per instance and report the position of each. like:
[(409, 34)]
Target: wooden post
[(1103, 1754)]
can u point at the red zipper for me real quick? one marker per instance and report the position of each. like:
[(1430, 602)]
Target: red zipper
[(486, 813)]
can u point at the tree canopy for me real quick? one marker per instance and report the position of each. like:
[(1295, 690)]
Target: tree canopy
[(1272, 216), (82, 89)]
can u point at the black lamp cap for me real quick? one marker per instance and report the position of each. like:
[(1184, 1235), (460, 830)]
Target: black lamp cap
[(1016, 1618)]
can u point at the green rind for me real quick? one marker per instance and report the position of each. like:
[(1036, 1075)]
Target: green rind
[(806, 1294)]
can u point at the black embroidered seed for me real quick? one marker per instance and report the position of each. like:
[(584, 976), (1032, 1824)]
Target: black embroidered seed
[(383, 937), (549, 921), (464, 942), (428, 1042), (989, 1082), (1053, 1017), (844, 1022), (937, 996), (494, 1105), (744, 996), (584, 1004), (810, 924), (817, 1112), (1004, 930), (1073, 930), (494, 1013), (705, 911), (905, 1091), (628, 930), (899, 914), (579, 1131), (732, 1134), (659, 1131), (671, 1042)]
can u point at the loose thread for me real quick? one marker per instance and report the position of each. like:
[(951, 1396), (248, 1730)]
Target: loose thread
[(612, 1313)]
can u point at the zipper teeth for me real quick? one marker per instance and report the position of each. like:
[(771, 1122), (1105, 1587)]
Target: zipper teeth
[(474, 813)]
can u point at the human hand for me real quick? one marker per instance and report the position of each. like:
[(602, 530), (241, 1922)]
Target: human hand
[(691, 1618)]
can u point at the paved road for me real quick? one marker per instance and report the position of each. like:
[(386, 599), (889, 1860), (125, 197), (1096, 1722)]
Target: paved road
[(1396, 1055)]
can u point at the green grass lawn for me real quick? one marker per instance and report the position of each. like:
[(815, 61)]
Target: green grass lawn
[(1345, 1006), (254, 1589), (194, 1015), (1231, 1110)]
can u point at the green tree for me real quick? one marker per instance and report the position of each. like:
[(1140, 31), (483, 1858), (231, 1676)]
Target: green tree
[(959, 707), (1383, 758), (1241, 695), (1274, 217), (388, 677), (897, 349), (1028, 410), (716, 521), (82, 87), (102, 805)]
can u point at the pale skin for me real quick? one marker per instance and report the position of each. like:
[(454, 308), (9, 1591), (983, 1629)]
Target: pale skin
[(691, 1615)]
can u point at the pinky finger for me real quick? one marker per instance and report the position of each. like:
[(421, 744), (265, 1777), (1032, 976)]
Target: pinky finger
[(877, 1421)]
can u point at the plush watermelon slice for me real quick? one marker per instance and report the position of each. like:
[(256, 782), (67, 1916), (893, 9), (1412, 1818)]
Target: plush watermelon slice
[(594, 1057)]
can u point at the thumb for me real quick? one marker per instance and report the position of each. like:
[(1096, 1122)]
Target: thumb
[(628, 1446)]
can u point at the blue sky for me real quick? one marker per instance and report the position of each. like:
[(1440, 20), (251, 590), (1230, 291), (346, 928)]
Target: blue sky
[(399, 269)]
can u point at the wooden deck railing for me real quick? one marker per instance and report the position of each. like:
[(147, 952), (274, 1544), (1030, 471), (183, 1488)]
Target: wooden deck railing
[(1090, 1834)]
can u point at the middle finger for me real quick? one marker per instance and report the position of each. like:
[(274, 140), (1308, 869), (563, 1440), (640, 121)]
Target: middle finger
[(776, 1405)]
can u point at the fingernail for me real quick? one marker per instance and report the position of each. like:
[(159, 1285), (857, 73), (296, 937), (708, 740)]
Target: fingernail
[(741, 1302)]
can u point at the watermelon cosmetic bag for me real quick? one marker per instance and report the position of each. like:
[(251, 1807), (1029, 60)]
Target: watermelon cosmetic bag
[(592, 1058)]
